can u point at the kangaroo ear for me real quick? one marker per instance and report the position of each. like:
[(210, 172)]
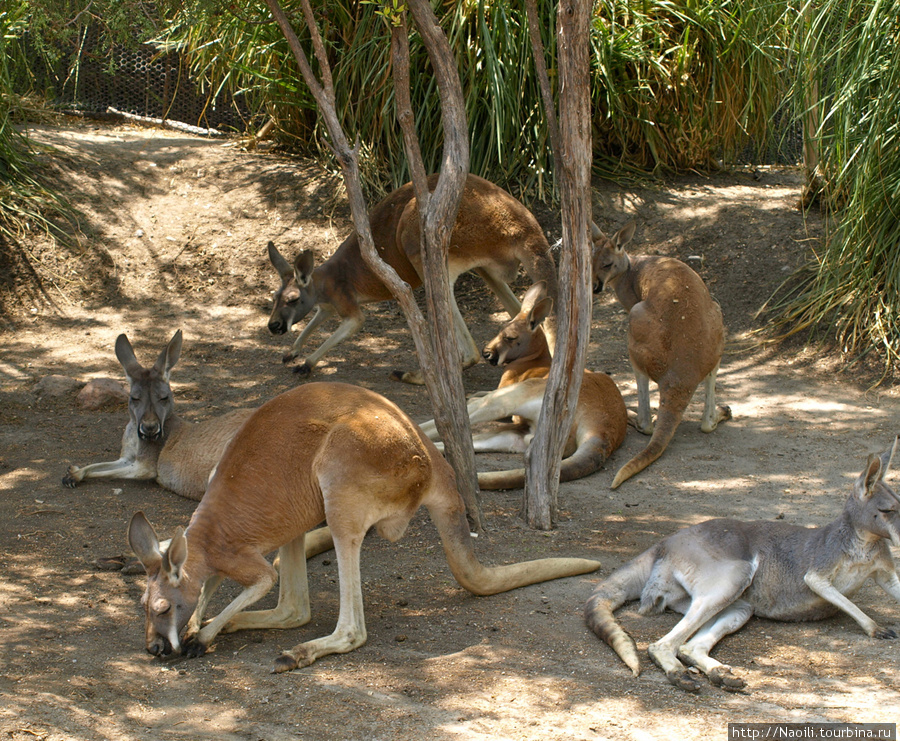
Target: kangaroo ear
[(304, 265), (531, 296), (278, 262), (887, 456), (144, 542), (125, 354), (540, 311), (169, 356), (869, 478), (174, 558), (624, 236)]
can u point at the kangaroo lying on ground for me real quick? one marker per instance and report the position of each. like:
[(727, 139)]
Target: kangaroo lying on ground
[(721, 572), (158, 444), (600, 418), (493, 234), (322, 451), (675, 338)]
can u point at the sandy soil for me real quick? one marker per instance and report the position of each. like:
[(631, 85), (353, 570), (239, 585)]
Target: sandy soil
[(175, 231)]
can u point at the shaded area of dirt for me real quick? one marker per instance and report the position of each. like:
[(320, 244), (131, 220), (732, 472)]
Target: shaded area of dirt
[(175, 230)]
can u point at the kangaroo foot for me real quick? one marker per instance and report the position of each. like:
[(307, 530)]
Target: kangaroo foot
[(304, 369), (721, 676)]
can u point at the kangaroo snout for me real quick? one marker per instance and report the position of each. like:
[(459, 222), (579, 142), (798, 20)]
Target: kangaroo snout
[(490, 356), (150, 431), (276, 326), (160, 647)]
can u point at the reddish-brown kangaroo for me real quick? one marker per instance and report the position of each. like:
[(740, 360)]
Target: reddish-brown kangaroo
[(322, 451), (520, 347), (675, 337), (493, 234)]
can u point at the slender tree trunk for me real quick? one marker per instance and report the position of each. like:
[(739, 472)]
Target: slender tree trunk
[(575, 300), (437, 213), (438, 221)]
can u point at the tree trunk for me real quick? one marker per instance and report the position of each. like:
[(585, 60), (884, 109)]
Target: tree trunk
[(437, 213), (575, 299), (440, 359)]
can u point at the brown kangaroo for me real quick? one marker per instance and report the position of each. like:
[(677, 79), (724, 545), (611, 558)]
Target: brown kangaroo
[(158, 444), (600, 418), (322, 451), (493, 234), (720, 573), (675, 337)]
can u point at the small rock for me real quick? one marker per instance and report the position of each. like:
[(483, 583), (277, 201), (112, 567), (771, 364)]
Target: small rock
[(102, 392), (56, 386)]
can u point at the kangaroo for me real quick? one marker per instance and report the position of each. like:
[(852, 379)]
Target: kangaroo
[(158, 444), (521, 347), (493, 234), (675, 337), (321, 451), (721, 572)]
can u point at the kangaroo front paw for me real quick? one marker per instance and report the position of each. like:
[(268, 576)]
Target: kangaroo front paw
[(721, 676), (285, 663), (70, 480), (304, 369), (288, 357), (193, 648), (887, 633)]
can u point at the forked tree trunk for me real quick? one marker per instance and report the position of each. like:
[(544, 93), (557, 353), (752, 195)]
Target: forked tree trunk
[(573, 162), (437, 351)]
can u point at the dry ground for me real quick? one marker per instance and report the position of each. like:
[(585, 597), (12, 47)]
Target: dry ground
[(175, 234)]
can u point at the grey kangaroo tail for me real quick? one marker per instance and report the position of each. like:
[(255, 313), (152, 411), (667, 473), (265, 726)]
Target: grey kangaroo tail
[(667, 419), (623, 585), (589, 457)]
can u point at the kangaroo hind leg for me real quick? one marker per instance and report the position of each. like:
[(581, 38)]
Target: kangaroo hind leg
[(696, 651), (712, 414)]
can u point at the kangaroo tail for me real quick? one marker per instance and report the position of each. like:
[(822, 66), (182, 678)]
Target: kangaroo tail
[(449, 517), (623, 585), (667, 420), (590, 456)]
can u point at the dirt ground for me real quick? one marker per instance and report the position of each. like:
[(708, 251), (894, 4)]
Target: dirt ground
[(175, 232)]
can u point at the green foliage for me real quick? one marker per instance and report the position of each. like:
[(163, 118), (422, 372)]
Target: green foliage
[(851, 289), (24, 200), (675, 85)]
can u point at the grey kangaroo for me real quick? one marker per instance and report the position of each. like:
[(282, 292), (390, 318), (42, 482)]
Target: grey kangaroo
[(721, 572)]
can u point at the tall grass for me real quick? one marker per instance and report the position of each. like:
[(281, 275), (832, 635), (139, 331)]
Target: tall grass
[(850, 292), (25, 202), (676, 85)]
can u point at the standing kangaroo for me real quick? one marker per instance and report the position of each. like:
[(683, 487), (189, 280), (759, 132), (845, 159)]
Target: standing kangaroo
[(600, 420), (675, 338), (493, 234), (322, 451), (721, 572)]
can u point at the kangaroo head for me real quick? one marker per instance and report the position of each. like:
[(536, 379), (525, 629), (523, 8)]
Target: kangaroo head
[(170, 597), (296, 296), (518, 337), (150, 401), (874, 507), (608, 257)]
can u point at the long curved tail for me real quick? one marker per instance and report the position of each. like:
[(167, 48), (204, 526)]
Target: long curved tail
[(589, 457), (482, 580), (671, 410), (623, 585)]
